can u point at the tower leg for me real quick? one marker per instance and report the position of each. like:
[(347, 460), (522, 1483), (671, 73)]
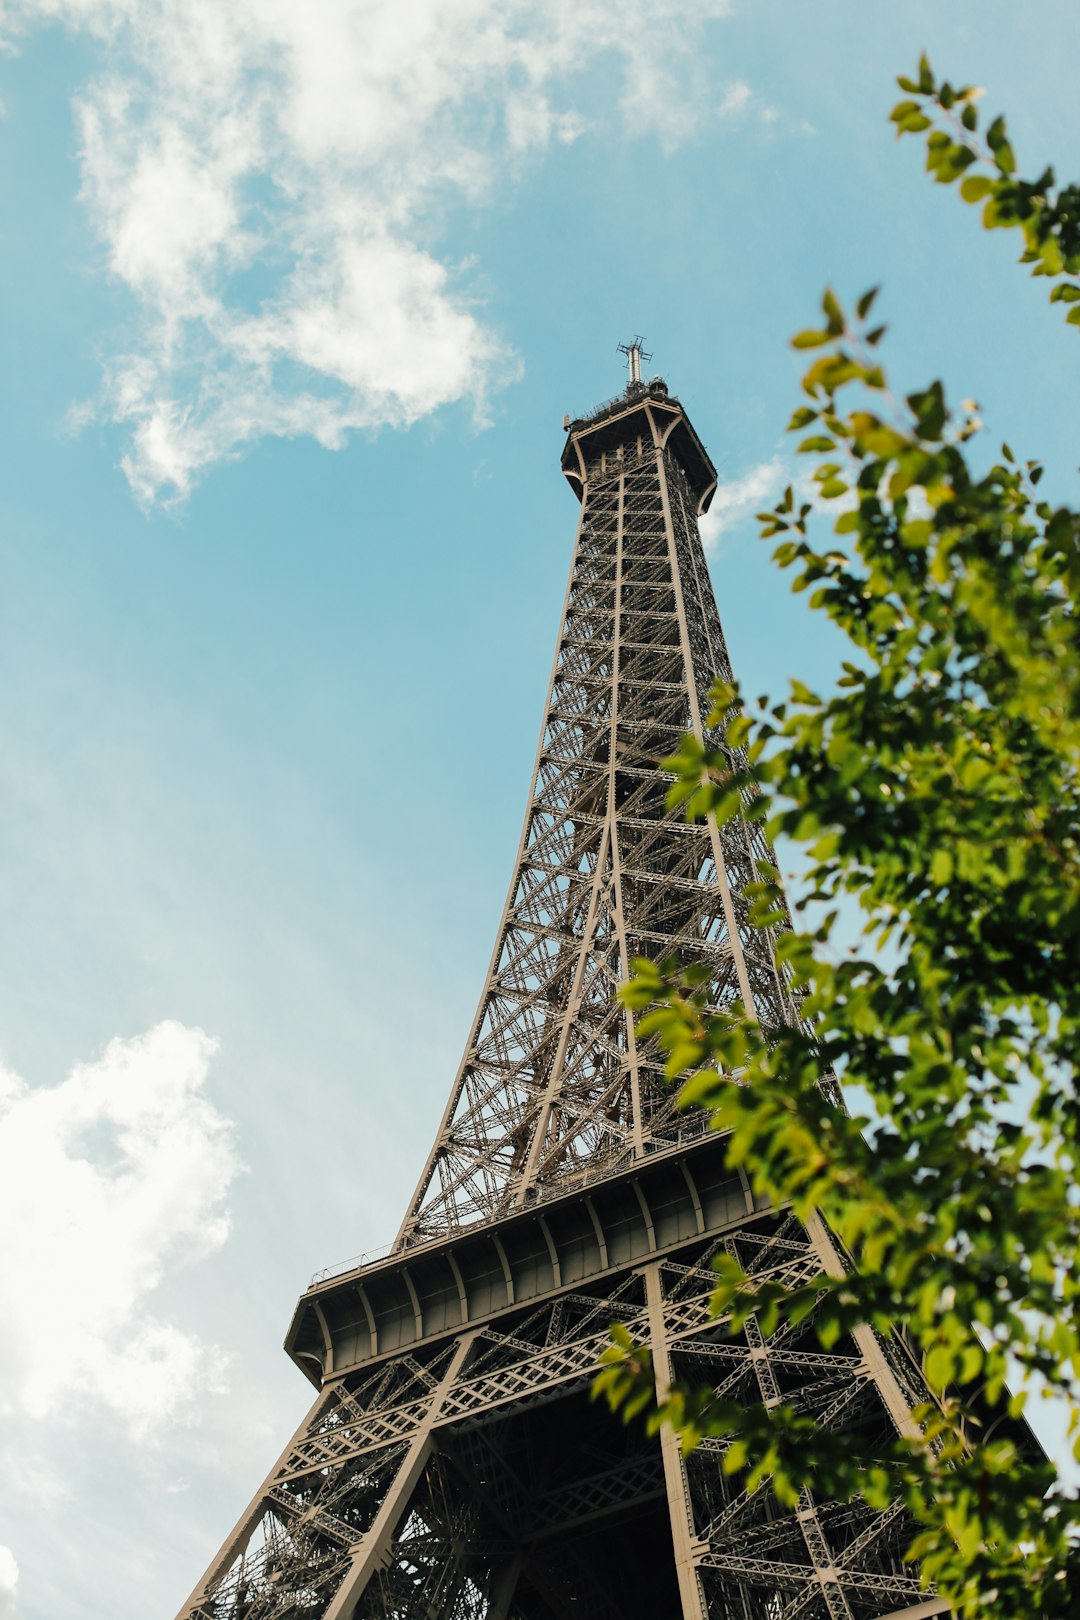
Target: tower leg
[(374, 1546), (245, 1525), (475, 1477), (895, 1402), (678, 1491), (505, 1587)]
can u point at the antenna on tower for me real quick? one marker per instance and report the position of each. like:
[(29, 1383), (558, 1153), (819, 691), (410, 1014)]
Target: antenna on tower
[(635, 354)]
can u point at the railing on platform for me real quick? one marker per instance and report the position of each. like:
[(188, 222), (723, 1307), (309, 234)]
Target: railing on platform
[(693, 1126)]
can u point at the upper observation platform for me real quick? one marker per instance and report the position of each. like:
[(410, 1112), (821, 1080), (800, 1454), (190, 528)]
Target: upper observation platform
[(646, 415)]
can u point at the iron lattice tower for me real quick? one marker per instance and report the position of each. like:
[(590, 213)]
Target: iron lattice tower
[(452, 1467)]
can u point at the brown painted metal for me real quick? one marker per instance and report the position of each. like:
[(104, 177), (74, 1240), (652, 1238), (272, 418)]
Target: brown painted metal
[(553, 1089), (453, 1467)]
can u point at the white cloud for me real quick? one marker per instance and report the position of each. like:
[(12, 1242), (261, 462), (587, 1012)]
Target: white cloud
[(9, 1580), (107, 1181), (736, 501), (268, 180), (740, 103), (735, 100)]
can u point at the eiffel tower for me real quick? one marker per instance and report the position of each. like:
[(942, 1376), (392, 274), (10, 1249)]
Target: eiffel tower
[(452, 1466)]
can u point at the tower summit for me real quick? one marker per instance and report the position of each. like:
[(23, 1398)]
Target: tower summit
[(452, 1466), (635, 354)]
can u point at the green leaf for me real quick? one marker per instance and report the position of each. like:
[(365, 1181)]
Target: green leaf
[(865, 303), (833, 313), (998, 142), (1005, 159), (940, 1367), (928, 408), (809, 340)]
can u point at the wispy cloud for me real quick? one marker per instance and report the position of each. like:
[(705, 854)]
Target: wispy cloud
[(9, 1580), (108, 1180), (740, 104), (735, 100), (738, 499), (269, 179)]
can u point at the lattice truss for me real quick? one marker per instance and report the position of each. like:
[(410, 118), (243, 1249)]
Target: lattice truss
[(554, 1086), (468, 1477), (474, 1481)]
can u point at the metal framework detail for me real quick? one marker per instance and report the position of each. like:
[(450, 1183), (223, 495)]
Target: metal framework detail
[(476, 1479), (553, 1084), (453, 1466)]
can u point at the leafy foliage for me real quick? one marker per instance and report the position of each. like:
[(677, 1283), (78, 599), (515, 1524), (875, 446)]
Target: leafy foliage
[(936, 795), (986, 169)]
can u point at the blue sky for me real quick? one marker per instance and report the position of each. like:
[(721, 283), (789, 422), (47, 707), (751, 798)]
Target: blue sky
[(292, 302)]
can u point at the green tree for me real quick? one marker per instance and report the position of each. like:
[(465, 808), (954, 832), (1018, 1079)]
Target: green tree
[(936, 794)]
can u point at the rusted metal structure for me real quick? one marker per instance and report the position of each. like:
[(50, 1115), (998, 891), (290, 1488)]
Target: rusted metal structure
[(452, 1466)]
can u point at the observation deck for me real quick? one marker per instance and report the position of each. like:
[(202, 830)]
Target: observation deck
[(645, 414)]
